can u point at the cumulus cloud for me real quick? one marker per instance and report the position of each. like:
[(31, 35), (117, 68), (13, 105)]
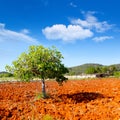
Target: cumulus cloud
[(102, 38), (6, 35), (91, 22), (78, 29), (66, 33)]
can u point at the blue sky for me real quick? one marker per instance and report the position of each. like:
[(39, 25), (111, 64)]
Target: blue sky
[(85, 31)]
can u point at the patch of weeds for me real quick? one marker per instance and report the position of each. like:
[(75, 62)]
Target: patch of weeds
[(47, 117), (40, 96)]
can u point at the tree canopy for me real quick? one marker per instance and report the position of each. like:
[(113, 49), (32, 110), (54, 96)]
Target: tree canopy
[(39, 62)]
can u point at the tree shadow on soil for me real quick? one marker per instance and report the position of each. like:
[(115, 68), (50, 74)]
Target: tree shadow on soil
[(81, 97)]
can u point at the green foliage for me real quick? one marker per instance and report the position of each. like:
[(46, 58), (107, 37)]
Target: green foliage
[(99, 68), (117, 74), (40, 95), (81, 69), (109, 70), (91, 70), (38, 62), (60, 79), (104, 69), (112, 69), (47, 117), (5, 74)]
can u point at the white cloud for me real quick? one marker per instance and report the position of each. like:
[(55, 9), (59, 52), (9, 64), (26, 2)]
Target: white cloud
[(79, 29), (2, 26), (102, 38), (25, 31), (7, 35), (91, 22), (73, 5), (80, 22), (66, 33)]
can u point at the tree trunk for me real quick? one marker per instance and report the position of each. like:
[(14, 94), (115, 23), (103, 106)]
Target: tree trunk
[(43, 88)]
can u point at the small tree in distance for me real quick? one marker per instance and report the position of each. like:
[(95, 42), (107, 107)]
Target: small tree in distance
[(90, 70), (39, 62)]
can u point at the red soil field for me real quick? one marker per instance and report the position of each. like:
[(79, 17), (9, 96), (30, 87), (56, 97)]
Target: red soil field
[(97, 99)]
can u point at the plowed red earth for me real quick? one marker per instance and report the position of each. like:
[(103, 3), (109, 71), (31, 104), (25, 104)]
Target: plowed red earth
[(97, 99)]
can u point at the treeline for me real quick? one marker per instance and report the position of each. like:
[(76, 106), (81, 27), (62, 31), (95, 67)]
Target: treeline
[(112, 70), (5, 74)]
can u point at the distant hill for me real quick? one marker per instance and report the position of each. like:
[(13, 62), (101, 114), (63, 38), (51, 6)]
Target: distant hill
[(82, 68), (3, 72), (76, 70)]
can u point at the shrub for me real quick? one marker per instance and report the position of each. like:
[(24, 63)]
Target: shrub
[(117, 74), (47, 117)]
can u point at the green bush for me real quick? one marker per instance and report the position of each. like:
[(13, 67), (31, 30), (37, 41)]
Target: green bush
[(117, 74)]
